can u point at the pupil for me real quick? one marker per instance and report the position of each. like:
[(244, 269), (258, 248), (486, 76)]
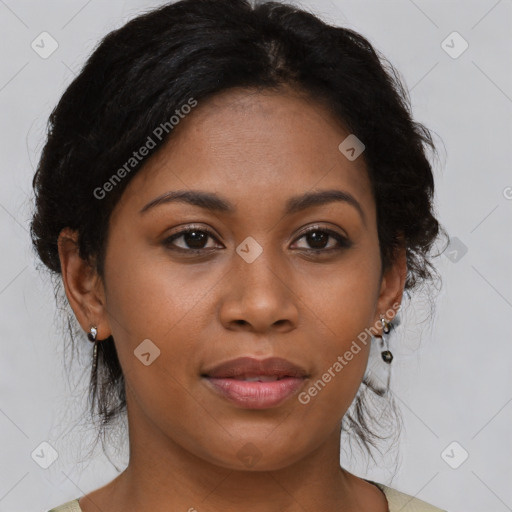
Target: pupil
[(317, 239), (195, 239)]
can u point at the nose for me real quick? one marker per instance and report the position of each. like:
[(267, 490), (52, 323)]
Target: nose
[(259, 297)]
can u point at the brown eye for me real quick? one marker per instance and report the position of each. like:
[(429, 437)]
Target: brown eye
[(192, 239), (318, 240)]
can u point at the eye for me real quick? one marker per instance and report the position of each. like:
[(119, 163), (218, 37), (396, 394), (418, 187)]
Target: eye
[(192, 240), (196, 240), (318, 240)]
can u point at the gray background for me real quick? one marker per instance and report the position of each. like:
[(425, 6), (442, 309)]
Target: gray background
[(452, 375)]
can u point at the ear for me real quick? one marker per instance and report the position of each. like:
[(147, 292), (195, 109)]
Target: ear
[(83, 286), (392, 286)]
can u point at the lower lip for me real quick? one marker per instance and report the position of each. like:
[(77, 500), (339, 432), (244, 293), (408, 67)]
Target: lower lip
[(256, 395)]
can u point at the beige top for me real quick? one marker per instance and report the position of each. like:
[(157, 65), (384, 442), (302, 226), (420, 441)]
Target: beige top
[(397, 502)]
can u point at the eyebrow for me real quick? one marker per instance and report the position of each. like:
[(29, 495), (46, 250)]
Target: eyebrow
[(211, 201)]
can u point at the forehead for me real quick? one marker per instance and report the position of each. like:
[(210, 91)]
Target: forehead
[(248, 145)]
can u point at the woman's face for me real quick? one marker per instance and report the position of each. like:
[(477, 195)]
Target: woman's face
[(246, 281)]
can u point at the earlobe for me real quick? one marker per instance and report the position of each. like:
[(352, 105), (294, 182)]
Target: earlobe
[(82, 285)]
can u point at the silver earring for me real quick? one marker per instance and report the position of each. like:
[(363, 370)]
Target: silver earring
[(92, 334)]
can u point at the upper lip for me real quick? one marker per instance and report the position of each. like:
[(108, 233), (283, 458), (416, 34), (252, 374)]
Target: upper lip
[(272, 366)]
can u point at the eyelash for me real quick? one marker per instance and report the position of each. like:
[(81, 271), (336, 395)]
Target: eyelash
[(343, 242)]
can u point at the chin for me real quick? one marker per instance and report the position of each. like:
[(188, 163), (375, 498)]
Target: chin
[(256, 455)]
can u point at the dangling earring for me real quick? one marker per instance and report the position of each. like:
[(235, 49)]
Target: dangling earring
[(378, 370), (387, 356), (92, 334)]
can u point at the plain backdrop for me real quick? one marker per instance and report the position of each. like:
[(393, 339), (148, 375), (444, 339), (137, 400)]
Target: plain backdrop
[(452, 372)]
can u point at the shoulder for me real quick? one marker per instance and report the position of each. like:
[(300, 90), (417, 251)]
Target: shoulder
[(70, 506), (398, 501)]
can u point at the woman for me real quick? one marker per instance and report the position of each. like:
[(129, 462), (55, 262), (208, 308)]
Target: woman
[(236, 198)]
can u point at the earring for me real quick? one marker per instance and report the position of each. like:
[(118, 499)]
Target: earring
[(378, 371), (93, 332), (387, 356)]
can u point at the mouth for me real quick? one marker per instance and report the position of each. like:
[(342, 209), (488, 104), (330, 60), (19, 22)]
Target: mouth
[(259, 378), (255, 384)]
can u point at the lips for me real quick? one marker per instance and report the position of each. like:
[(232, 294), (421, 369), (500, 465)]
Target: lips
[(255, 384), (250, 369)]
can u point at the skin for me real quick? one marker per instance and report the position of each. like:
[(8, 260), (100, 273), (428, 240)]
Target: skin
[(254, 150)]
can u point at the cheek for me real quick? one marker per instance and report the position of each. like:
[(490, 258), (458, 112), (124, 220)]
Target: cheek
[(345, 297), (340, 364), (150, 295), (153, 298), (343, 309)]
